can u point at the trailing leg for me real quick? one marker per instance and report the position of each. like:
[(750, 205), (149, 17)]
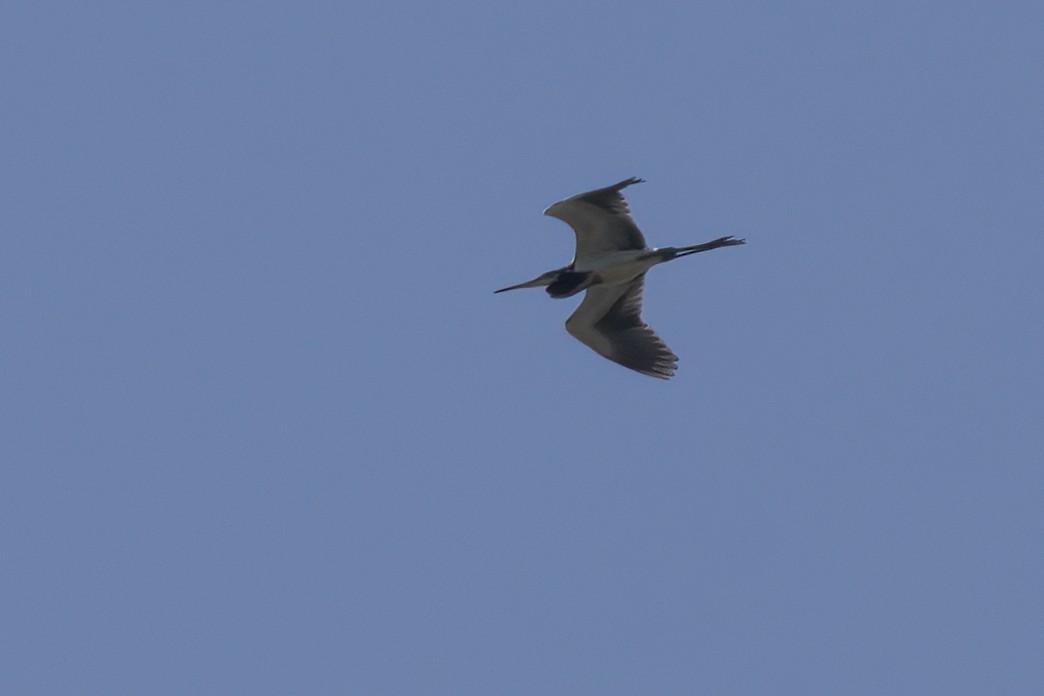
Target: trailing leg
[(697, 248)]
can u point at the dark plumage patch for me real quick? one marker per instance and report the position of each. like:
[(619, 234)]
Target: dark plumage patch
[(568, 283)]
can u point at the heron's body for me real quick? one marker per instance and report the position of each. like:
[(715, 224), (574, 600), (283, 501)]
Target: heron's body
[(617, 266), (610, 264)]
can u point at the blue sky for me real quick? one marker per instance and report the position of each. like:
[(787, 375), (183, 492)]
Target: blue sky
[(267, 430)]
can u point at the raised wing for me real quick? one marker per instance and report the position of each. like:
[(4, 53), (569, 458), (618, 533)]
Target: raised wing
[(609, 322), (601, 219)]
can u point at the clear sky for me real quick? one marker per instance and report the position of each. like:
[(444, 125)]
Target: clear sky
[(265, 428)]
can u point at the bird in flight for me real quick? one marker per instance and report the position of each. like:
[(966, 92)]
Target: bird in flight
[(610, 263)]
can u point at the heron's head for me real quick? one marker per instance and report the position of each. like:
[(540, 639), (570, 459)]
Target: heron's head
[(540, 281)]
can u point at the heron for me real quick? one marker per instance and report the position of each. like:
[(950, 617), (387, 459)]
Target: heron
[(610, 264)]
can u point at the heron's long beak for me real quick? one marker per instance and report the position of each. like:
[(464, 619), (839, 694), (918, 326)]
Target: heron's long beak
[(535, 283)]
